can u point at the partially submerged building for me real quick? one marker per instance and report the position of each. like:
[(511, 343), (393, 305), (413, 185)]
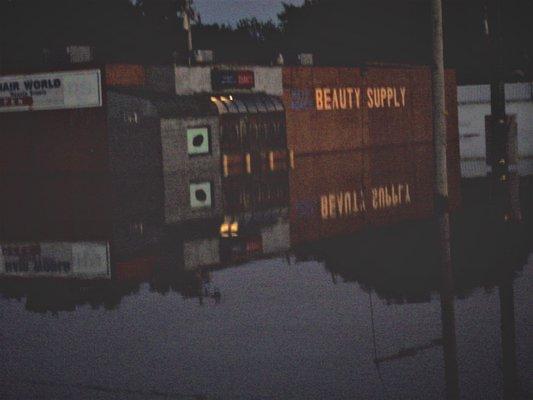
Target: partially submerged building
[(221, 158), (122, 150), (363, 145)]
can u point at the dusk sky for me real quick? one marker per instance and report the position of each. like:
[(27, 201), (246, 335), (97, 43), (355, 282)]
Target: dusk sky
[(230, 11)]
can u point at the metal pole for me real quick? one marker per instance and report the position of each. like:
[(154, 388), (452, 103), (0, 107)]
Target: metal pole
[(511, 382), (498, 140), (501, 152)]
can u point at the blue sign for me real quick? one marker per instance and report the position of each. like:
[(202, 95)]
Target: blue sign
[(301, 99)]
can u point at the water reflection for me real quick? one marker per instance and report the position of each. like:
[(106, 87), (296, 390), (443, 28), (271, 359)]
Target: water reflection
[(511, 383), (230, 307), (54, 295), (405, 269), (395, 317)]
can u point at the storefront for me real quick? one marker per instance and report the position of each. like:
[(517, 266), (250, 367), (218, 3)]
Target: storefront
[(363, 145)]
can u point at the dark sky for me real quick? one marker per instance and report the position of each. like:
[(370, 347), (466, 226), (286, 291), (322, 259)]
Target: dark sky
[(230, 11)]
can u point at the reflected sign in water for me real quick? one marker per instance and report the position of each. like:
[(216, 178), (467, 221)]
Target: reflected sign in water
[(56, 259)]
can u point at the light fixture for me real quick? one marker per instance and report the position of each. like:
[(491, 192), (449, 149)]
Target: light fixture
[(224, 229), (234, 228)]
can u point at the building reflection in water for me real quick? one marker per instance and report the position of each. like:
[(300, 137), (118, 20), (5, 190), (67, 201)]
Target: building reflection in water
[(407, 271), (398, 263), (211, 189)]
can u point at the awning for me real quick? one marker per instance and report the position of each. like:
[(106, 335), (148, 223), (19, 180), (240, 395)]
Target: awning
[(206, 104), (247, 103)]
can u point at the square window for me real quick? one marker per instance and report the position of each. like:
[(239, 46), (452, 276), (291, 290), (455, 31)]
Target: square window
[(200, 195), (198, 141)]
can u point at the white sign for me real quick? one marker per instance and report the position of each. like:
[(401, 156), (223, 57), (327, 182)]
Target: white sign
[(51, 91), (198, 141), (200, 193), (61, 259)]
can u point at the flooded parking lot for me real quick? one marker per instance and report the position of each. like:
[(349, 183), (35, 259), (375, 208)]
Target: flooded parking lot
[(357, 317), (263, 233)]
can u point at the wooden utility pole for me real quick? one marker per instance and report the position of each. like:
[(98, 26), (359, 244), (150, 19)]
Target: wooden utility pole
[(187, 26), (439, 129), (497, 89), (449, 344), (441, 201), (439, 111)]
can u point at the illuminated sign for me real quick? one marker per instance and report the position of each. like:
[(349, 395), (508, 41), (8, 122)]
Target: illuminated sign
[(348, 98), (230, 79), (348, 203), (50, 91)]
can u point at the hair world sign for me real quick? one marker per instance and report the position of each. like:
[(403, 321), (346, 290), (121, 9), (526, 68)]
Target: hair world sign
[(50, 91), (349, 98)]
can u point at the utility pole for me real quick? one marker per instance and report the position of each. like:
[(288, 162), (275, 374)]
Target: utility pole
[(439, 130), (187, 26), (441, 201), (439, 111), (501, 128)]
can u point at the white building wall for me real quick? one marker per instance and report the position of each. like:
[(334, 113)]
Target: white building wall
[(474, 105), (190, 80), (268, 80)]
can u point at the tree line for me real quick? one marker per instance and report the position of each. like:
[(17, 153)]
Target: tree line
[(336, 32)]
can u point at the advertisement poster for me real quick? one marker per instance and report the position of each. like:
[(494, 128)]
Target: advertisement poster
[(51, 91)]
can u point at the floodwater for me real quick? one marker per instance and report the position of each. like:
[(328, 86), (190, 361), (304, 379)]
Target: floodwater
[(363, 317)]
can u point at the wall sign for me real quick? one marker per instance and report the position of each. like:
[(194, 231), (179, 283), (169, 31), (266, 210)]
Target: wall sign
[(302, 99), (51, 91), (230, 79), (200, 195), (347, 203), (347, 98), (198, 141)]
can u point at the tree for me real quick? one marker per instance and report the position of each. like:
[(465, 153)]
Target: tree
[(345, 32)]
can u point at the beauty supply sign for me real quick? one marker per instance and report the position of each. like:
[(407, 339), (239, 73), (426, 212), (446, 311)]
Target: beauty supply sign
[(51, 91)]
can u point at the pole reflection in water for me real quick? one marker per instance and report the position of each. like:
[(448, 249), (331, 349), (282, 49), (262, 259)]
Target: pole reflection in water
[(510, 379), (448, 324), (375, 347), (404, 273)]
